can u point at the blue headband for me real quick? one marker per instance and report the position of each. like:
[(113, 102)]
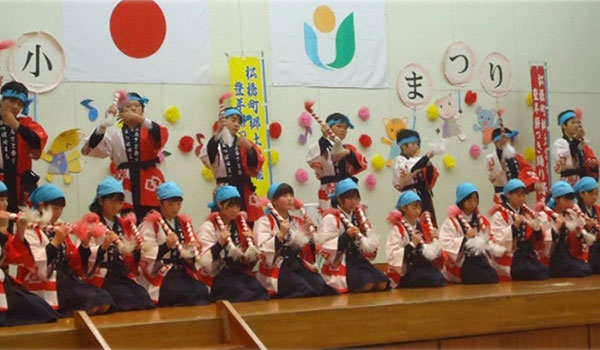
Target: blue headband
[(464, 190), (143, 100), (234, 111), (45, 193), (343, 119), (407, 198), (344, 186), (168, 190), (565, 117), (512, 185), (561, 188), (409, 139), (586, 184), (3, 187), (510, 135), (20, 96)]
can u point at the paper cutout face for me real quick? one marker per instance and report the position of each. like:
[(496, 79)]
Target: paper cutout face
[(392, 126), (486, 123), (448, 108)]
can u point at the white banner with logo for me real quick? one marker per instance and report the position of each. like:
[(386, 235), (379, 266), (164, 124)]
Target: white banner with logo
[(334, 44)]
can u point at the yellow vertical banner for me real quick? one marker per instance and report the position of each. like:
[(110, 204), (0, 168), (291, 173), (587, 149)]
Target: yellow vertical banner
[(249, 96)]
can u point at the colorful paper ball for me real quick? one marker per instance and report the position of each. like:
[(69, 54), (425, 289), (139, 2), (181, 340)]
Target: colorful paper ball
[(529, 99), (275, 130), (365, 140), (578, 113), (364, 113), (433, 112), (301, 175), (172, 114), (371, 181), (305, 120), (449, 161), (274, 157), (378, 162), (529, 154), (475, 151), (186, 144), (207, 174), (470, 97)]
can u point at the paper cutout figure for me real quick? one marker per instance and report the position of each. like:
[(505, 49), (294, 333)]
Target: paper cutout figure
[(392, 126), (62, 163), (486, 123), (451, 117)]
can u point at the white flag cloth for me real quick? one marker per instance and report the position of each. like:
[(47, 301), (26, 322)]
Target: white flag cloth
[(161, 41), (341, 44)]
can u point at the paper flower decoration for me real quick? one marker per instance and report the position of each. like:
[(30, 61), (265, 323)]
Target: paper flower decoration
[(364, 113), (371, 181), (470, 97), (579, 113), (475, 151), (274, 157), (529, 99), (172, 114), (378, 162), (433, 112), (207, 174), (449, 161), (365, 140), (301, 175), (275, 130), (529, 154), (305, 120), (186, 144)]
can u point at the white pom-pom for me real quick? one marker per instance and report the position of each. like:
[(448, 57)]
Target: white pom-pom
[(476, 246), (226, 137), (588, 238), (432, 250), (508, 151), (148, 244), (438, 147), (534, 224), (252, 253), (299, 239), (370, 243), (234, 252), (187, 252), (495, 250), (127, 245)]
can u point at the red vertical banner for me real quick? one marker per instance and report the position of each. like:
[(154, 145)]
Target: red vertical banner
[(540, 126)]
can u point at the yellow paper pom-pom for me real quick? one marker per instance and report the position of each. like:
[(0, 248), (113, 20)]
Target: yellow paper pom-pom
[(274, 157), (378, 162), (433, 112), (529, 154), (449, 161), (172, 114), (529, 99), (208, 174)]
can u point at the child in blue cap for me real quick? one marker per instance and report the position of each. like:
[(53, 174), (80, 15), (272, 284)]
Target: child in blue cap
[(288, 269), (413, 172), (18, 306), (334, 162), (465, 239), (413, 251), (587, 194), (222, 234), (573, 159), (53, 267), (567, 257), (235, 160), (516, 225), (171, 269), (348, 244), (134, 149), (112, 266), (22, 140)]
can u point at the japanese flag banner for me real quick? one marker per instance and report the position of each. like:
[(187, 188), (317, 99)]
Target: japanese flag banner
[(139, 41)]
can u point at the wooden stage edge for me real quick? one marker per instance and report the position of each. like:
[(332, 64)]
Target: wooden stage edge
[(458, 315)]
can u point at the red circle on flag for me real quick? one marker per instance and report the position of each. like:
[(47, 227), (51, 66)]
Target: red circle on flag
[(138, 27)]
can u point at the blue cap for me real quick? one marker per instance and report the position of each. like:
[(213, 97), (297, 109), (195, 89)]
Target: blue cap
[(226, 192), (108, 186), (586, 184), (234, 111), (9, 93), (168, 190), (339, 118), (406, 198), (512, 185), (344, 186), (3, 187), (143, 100), (565, 116), (464, 190), (509, 134), (561, 188), (45, 193), (410, 139), (272, 189)]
